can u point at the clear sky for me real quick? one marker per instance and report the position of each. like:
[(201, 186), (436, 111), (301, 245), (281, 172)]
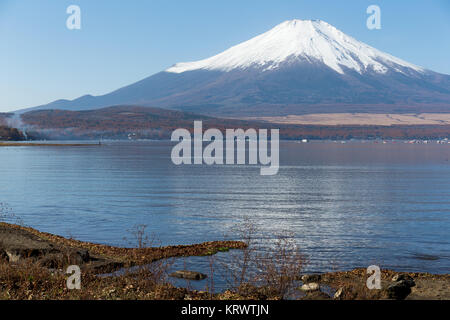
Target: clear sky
[(121, 42)]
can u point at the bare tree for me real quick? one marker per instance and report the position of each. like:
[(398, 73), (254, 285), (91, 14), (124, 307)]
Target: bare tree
[(238, 267), (280, 267), (266, 270)]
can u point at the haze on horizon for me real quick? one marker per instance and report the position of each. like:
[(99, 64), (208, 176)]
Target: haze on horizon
[(41, 60)]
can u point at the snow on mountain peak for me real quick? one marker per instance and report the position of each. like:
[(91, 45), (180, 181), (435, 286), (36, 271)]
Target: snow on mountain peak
[(302, 40)]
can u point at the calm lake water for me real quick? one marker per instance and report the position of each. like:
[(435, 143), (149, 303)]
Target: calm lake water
[(348, 205)]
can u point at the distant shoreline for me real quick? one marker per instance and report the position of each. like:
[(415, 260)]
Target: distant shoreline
[(31, 144), (94, 142)]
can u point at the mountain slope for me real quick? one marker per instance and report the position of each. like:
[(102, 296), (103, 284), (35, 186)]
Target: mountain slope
[(297, 67)]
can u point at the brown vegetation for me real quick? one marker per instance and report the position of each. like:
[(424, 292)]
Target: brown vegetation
[(32, 266), (104, 258), (153, 123), (361, 119)]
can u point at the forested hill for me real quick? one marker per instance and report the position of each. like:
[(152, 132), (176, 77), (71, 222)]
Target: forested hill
[(135, 122)]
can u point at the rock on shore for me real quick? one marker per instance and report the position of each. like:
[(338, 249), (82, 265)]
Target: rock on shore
[(189, 275), (351, 285)]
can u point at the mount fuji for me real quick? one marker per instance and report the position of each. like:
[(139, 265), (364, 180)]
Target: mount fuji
[(298, 67)]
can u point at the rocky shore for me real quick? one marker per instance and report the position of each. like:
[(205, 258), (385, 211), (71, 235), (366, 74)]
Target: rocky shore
[(32, 266), (18, 243), (351, 285)]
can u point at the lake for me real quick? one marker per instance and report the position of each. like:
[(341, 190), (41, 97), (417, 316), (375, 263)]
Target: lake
[(348, 205)]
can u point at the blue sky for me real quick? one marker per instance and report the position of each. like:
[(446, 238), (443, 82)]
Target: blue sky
[(121, 42)]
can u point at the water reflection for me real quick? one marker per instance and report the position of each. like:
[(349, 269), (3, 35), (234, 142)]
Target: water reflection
[(348, 205)]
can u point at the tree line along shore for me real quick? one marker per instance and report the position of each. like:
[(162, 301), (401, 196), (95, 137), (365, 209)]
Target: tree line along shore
[(287, 132)]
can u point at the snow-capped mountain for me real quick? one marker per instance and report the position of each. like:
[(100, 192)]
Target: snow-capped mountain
[(296, 67), (297, 41)]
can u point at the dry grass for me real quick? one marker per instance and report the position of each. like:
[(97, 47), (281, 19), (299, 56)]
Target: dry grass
[(280, 268), (257, 273), (371, 119), (7, 214), (251, 273), (26, 281)]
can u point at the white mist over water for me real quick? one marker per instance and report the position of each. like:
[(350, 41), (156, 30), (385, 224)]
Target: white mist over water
[(15, 121)]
